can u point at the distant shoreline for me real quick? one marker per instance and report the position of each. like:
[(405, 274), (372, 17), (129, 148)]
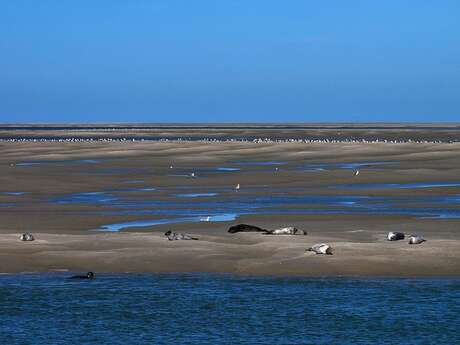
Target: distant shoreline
[(240, 140), (307, 133)]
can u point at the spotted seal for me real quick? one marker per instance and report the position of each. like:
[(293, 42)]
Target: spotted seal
[(290, 230), (27, 237), (175, 236), (395, 236), (416, 239), (321, 248)]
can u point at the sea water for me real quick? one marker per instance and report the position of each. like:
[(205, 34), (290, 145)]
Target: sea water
[(226, 309)]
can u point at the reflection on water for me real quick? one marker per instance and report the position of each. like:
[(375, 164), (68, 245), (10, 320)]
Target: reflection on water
[(202, 309), (195, 195), (86, 198), (58, 163), (331, 166), (227, 169)]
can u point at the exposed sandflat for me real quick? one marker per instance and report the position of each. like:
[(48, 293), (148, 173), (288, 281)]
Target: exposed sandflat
[(65, 242)]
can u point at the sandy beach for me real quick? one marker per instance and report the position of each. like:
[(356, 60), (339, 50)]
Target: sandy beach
[(34, 175)]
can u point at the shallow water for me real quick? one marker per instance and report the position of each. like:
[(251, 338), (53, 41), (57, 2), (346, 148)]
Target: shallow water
[(227, 169), (194, 309), (144, 223), (399, 185), (196, 195), (53, 162), (192, 207), (349, 165)]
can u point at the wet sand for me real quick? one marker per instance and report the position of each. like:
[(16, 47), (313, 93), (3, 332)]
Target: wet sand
[(66, 240)]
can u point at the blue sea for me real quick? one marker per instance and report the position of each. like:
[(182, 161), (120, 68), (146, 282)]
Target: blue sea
[(226, 309)]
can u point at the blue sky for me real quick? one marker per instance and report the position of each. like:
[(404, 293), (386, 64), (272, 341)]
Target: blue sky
[(229, 61)]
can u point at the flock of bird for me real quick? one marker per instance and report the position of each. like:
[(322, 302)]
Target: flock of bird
[(215, 140)]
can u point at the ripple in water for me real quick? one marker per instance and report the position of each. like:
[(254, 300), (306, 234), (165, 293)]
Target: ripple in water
[(224, 309)]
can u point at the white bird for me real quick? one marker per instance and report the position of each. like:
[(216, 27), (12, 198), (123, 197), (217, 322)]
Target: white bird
[(356, 172), (170, 167), (192, 174), (237, 187), (207, 219)]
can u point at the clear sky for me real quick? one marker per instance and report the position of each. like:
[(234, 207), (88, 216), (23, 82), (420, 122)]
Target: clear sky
[(229, 60)]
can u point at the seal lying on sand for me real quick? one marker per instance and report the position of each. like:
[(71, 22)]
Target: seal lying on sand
[(89, 275), (395, 236), (27, 237), (245, 228), (174, 236), (290, 230), (416, 239), (321, 248)]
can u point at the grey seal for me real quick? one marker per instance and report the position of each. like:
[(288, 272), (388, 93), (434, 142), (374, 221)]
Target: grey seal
[(246, 228), (395, 236), (290, 230), (175, 236), (27, 237), (416, 239), (321, 248)]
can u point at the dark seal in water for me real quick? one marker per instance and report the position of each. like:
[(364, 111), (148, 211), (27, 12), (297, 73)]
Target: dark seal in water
[(89, 275)]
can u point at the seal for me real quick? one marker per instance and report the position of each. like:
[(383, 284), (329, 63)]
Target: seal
[(175, 236), (395, 236), (321, 248), (27, 237), (245, 228), (290, 230), (416, 239), (89, 275)]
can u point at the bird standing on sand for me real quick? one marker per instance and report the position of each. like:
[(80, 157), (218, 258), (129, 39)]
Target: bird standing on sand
[(356, 173), (237, 188), (192, 174)]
